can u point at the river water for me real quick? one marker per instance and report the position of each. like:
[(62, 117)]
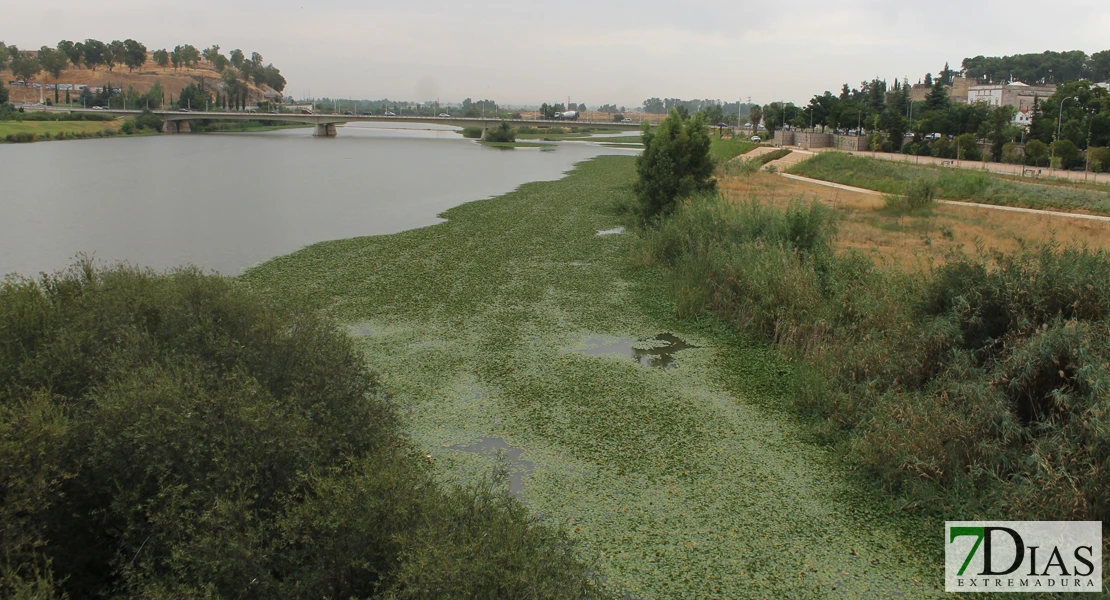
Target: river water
[(225, 202)]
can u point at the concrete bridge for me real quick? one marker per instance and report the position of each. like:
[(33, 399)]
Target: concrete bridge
[(177, 121)]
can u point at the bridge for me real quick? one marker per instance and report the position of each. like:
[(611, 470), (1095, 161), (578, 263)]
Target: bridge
[(177, 121)]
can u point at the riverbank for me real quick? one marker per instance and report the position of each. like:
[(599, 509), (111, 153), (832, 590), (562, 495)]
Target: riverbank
[(515, 330), (33, 131)]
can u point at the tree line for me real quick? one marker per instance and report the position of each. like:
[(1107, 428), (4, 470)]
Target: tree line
[(236, 69), (942, 127), (1046, 67)]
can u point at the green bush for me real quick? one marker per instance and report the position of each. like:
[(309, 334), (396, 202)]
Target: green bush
[(1036, 153), (503, 133), (1065, 154), (128, 126), (472, 132), (1099, 159), (1012, 154), (978, 387), (173, 436), (674, 164)]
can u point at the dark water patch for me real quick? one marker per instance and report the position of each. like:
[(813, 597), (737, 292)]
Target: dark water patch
[(660, 354), (498, 448)]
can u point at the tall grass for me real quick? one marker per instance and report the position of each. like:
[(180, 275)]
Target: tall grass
[(979, 388), (951, 184)]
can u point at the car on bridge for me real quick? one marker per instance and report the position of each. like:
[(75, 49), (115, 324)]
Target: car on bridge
[(626, 120), (305, 111), (445, 115), (389, 114)]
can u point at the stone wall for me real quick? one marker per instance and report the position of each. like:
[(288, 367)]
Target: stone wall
[(850, 143)]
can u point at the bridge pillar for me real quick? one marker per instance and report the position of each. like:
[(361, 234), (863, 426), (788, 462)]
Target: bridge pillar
[(169, 127), (183, 127), (326, 130)]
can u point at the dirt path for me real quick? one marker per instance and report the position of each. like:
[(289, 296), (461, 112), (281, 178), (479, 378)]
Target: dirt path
[(1005, 169), (1033, 211)]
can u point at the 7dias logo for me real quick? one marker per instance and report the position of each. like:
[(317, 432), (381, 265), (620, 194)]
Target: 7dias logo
[(1023, 556)]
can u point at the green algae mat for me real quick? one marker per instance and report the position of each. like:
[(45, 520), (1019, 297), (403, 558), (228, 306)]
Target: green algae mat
[(515, 337)]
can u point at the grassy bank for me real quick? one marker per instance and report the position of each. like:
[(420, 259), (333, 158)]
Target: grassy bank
[(951, 184), (44, 130), (974, 389), (725, 149), (514, 330)]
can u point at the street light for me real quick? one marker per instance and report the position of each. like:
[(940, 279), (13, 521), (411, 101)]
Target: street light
[(1060, 117)]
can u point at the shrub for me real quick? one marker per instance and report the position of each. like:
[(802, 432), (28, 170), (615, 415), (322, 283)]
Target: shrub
[(1065, 154), (1099, 159), (674, 164), (1012, 154), (1036, 153), (617, 118), (975, 387), (502, 133), (149, 121), (472, 132), (173, 436), (128, 126), (967, 147)]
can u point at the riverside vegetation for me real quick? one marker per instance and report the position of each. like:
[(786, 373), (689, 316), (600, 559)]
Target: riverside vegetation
[(175, 436), (978, 388), (509, 335)]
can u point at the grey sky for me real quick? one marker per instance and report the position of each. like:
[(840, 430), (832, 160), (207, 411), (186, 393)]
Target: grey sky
[(596, 52)]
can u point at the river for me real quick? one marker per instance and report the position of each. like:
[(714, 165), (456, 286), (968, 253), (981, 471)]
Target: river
[(225, 202)]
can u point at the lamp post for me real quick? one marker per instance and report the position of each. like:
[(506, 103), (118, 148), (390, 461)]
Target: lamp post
[(1060, 117)]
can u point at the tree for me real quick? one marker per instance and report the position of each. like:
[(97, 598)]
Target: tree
[(928, 80), (94, 52), (162, 58), (1036, 152), (72, 52), (256, 59), (25, 66), (674, 164), (582, 107), (1065, 154), (177, 57), (116, 55), (134, 54), (1000, 123), (190, 56), (937, 98), (502, 133), (210, 53), (755, 115), (5, 54), (3, 93), (654, 106), (237, 58), (220, 62)]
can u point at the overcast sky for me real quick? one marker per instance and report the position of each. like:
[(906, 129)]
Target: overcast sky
[(518, 52)]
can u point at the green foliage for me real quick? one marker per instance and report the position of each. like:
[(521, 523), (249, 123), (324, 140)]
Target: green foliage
[(194, 96), (162, 58), (1099, 160), (1036, 153), (977, 387), (502, 133), (723, 150), (1011, 154), (674, 164), (3, 93), (173, 435), (1066, 154), (472, 132), (967, 147)]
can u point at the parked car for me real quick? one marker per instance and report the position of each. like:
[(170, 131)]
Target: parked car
[(757, 139), (626, 120)]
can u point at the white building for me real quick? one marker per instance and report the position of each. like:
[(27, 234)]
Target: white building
[(1023, 118), (1015, 94)]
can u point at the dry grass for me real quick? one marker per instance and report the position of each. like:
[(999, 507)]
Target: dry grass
[(910, 239)]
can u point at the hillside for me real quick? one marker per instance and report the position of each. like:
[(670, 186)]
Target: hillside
[(142, 79)]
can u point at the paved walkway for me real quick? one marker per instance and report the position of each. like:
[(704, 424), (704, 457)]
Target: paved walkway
[(1050, 213)]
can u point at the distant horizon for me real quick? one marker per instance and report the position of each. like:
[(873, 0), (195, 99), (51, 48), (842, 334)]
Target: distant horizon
[(522, 53)]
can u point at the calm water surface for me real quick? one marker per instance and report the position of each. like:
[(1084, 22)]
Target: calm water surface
[(228, 201)]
